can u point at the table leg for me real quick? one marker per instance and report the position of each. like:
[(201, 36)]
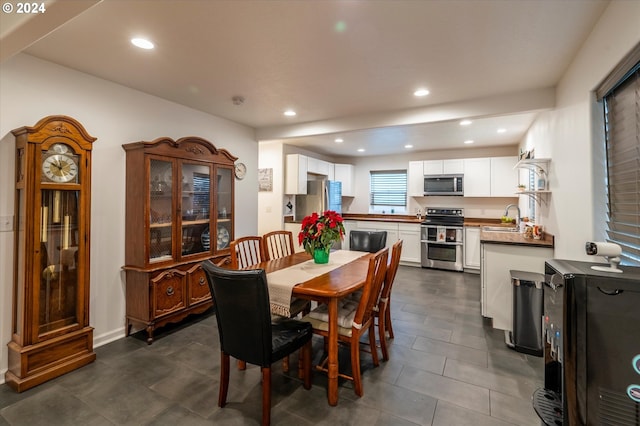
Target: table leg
[(333, 352)]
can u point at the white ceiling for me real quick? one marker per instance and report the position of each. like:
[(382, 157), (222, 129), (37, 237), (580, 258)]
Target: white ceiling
[(344, 66)]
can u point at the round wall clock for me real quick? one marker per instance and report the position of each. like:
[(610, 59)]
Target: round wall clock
[(240, 170)]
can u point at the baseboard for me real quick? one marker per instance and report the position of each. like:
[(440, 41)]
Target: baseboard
[(109, 337)]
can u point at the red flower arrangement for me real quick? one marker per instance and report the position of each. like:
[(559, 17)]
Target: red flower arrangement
[(320, 232)]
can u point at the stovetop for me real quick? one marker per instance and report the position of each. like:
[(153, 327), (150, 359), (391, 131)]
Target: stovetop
[(440, 216)]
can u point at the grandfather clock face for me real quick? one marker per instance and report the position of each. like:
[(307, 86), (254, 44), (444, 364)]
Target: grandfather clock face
[(59, 237)]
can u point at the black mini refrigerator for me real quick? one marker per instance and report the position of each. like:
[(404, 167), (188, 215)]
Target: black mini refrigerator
[(591, 335)]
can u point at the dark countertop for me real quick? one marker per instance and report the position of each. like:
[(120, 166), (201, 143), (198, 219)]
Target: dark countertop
[(515, 238)]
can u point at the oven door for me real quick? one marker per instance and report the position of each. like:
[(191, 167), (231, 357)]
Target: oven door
[(441, 248)]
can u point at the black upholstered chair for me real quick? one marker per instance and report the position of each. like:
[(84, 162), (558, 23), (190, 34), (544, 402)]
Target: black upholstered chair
[(241, 300), (371, 241)]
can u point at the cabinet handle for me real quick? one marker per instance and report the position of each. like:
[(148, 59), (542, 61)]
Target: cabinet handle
[(201, 281), (170, 291)]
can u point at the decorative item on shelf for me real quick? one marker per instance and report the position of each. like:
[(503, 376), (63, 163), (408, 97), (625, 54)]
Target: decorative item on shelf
[(522, 188), (318, 233), (223, 237), (205, 239)]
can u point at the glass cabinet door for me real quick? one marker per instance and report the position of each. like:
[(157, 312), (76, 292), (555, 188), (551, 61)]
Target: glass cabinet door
[(160, 210), (224, 204), (58, 259), (196, 205)]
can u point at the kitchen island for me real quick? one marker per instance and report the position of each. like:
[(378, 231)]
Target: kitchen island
[(500, 253)]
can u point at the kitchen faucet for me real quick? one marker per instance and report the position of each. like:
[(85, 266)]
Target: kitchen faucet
[(506, 212)]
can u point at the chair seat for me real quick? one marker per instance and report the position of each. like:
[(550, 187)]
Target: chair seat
[(288, 336), (319, 317)]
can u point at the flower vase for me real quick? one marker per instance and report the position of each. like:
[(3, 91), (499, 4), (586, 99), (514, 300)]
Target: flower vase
[(321, 256)]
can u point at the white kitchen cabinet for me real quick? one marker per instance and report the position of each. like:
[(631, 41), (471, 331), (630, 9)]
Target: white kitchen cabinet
[(296, 174), (409, 233), (415, 179), (345, 173), (477, 177), (295, 230), (504, 178), (348, 226), (447, 167), (497, 260), (432, 167), (320, 167), (471, 248)]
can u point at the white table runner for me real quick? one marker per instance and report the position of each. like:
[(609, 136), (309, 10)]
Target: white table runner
[(281, 282)]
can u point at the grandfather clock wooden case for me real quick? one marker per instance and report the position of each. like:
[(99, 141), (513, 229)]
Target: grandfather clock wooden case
[(179, 212), (50, 330)]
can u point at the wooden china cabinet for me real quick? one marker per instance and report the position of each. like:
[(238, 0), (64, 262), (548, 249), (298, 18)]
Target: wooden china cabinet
[(50, 333), (179, 212)]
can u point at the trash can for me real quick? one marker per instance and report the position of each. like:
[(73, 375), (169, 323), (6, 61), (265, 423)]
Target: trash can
[(526, 336)]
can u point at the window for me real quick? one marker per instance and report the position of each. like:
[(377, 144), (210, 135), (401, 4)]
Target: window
[(622, 139), (388, 190)]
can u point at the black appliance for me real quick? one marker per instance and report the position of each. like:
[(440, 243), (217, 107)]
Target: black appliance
[(442, 239), (591, 328), (443, 185)]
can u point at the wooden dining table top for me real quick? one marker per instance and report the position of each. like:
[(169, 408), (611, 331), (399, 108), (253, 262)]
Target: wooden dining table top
[(337, 283)]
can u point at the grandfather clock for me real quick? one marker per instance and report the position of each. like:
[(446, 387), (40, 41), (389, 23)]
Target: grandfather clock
[(51, 334)]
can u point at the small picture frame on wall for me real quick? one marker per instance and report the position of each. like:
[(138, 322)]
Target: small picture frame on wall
[(265, 180)]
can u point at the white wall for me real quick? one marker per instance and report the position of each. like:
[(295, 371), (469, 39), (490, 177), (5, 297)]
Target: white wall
[(567, 134), (32, 89), (271, 207)]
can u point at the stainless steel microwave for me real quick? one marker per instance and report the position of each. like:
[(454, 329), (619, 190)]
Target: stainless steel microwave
[(443, 185)]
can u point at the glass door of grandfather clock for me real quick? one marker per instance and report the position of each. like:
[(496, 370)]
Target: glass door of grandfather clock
[(58, 260)]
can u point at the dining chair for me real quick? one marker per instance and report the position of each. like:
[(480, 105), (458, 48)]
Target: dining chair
[(277, 244), (246, 332), (382, 310), (246, 251), (370, 241), (354, 319)]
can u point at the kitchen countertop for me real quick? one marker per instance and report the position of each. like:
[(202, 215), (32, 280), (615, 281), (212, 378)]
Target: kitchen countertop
[(392, 218), (515, 238)]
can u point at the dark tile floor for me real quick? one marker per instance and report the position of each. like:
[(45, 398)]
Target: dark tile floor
[(447, 367)]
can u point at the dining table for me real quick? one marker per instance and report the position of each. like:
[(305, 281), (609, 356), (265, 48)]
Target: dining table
[(329, 287)]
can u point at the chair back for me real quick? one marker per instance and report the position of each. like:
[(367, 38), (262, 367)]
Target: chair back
[(246, 251), (392, 268), (241, 300), (277, 244), (371, 289), (371, 241)]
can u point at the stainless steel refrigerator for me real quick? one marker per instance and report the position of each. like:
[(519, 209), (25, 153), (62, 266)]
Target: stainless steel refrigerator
[(321, 195)]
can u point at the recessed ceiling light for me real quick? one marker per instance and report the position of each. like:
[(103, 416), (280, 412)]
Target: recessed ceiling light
[(290, 113), (339, 140), (468, 141), (360, 149), (465, 122), (408, 146), (142, 43), (501, 130), (421, 92)]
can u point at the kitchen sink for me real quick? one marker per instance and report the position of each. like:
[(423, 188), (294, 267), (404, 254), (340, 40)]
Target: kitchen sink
[(500, 229)]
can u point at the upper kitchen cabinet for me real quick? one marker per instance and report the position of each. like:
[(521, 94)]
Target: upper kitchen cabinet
[(415, 179), (490, 177), (345, 173), (477, 177), (504, 179), (296, 174), (443, 167), (320, 167)]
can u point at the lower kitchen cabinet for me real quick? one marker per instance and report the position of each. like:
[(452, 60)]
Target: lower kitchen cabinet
[(471, 261), (409, 233), (497, 260)]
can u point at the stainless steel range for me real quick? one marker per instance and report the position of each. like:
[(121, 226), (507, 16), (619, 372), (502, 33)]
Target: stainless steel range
[(442, 239)]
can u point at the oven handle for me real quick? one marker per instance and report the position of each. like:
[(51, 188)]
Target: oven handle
[(444, 243)]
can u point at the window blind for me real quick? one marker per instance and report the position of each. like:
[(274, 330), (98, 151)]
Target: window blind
[(622, 133), (388, 188)]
